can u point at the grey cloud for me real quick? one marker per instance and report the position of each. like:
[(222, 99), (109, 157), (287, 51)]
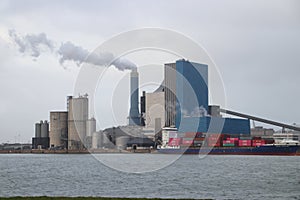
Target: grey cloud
[(70, 52), (34, 44), (31, 43)]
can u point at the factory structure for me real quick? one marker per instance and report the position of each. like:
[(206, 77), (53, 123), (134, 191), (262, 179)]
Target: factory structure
[(41, 139), (182, 102), (70, 129), (179, 105)]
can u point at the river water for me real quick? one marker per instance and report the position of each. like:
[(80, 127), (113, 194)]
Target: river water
[(168, 176)]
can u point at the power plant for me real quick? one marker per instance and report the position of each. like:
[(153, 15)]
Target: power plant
[(71, 129), (173, 115)]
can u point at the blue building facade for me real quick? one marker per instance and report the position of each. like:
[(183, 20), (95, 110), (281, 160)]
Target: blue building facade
[(191, 89), (192, 101), (208, 124)]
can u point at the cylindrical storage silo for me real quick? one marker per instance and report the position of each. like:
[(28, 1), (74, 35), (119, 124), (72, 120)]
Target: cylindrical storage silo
[(95, 140), (58, 129), (90, 127), (77, 118), (121, 142), (45, 129), (37, 130)]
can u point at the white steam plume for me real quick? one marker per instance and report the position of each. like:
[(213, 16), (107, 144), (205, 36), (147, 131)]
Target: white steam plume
[(35, 44), (70, 52)]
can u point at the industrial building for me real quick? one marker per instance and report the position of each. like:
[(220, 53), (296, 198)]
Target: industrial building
[(210, 124), (78, 113), (58, 129), (90, 130), (41, 139), (98, 139), (184, 97), (180, 103), (134, 114), (186, 91), (155, 107), (69, 129)]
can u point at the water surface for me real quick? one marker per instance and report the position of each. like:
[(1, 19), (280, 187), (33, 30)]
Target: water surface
[(217, 177)]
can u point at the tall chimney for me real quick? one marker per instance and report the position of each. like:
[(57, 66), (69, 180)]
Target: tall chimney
[(134, 115)]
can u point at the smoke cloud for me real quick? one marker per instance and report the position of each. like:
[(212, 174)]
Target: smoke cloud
[(70, 52), (35, 44)]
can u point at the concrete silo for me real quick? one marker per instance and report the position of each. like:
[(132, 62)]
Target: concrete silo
[(77, 118), (58, 129), (41, 139), (97, 140), (90, 127), (37, 130), (45, 129)]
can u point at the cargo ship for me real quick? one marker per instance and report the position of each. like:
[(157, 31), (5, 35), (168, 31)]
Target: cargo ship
[(259, 150), (224, 144)]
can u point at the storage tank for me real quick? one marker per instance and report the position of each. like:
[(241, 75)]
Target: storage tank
[(37, 130), (58, 129), (121, 142), (95, 140), (90, 127), (44, 129), (77, 118)]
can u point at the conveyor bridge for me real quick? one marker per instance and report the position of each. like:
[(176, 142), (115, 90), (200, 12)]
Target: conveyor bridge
[(258, 119)]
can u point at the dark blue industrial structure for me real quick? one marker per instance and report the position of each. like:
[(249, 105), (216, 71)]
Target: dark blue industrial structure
[(214, 125), (191, 89), (192, 103)]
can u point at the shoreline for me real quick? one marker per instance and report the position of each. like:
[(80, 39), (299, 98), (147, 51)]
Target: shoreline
[(97, 151), (102, 151), (89, 198)]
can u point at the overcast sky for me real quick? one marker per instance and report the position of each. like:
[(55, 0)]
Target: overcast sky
[(255, 45)]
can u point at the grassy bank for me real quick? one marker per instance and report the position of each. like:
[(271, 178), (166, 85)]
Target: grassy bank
[(81, 198)]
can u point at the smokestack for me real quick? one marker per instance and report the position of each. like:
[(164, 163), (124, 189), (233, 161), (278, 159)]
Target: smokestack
[(134, 115)]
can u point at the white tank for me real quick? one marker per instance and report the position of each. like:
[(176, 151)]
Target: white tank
[(121, 142), (95, 140), (77, 118), (90, 127)]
